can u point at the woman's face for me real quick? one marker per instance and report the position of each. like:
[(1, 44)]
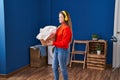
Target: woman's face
[(61, 18)]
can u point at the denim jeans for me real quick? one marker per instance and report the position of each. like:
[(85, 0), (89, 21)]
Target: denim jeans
[(60, 59)]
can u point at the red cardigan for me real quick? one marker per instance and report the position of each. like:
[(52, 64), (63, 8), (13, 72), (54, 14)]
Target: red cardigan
[(63, 36)]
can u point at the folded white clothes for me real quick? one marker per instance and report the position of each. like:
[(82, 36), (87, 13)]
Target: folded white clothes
[(46, 32)]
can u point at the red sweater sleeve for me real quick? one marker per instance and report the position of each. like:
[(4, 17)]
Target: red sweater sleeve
[(63, 37)]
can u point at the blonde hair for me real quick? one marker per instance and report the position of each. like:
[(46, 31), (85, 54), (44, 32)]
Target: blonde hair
[(67, 19)]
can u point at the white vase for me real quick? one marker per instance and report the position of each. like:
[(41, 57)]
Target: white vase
[(94, 38), (98, 52)]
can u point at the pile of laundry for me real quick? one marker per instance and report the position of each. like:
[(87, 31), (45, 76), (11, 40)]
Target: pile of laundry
[(46, 34)]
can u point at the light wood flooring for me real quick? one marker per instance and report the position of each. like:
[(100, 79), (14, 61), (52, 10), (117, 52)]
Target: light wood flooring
[(75, 73)]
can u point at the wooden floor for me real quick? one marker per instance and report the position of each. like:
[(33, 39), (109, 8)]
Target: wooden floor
[(75, 73)]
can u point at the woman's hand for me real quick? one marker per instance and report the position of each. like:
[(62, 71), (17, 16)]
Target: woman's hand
[(52, 35), (49, 43)]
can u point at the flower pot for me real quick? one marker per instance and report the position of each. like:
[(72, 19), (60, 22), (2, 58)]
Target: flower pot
[(94, 38), (98, 52)]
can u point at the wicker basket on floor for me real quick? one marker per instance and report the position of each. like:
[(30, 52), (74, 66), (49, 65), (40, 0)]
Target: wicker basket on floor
[(36, 59)]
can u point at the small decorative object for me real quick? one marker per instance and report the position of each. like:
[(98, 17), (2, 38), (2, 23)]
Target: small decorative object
[(95, 37), (98, 49)]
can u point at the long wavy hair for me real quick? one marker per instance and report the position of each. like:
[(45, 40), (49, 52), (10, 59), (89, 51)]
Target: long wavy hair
[(68, 21)]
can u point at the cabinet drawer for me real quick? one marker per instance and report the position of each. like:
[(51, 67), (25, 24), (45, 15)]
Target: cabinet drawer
[(96, 59)]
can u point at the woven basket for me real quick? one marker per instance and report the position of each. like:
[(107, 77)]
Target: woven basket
[(44, 42)]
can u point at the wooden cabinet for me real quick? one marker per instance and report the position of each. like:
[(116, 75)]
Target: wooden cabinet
[(94, 60)]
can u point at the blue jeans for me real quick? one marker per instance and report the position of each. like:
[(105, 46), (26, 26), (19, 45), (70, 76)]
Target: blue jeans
[(60, 59)]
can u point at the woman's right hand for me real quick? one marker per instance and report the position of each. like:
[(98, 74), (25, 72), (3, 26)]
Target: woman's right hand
[(52, 35), (49, 43)]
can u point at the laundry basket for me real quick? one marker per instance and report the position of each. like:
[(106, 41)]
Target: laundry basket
[(44, 42), (38, 56)]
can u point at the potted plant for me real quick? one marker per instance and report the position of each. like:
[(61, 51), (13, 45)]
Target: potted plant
[(95, 37), (98, 49)]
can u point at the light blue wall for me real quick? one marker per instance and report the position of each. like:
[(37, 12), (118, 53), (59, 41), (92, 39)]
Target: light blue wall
[(88, 17), (2, 40)]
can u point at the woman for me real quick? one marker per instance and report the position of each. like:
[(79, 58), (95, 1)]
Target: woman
[(61, 43)]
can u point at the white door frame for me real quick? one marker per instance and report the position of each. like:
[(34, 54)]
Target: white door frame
[(116, 45)]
